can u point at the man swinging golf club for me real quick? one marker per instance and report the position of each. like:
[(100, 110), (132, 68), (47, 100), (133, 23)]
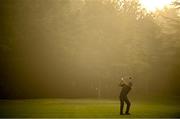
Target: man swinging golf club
[(126, 87)]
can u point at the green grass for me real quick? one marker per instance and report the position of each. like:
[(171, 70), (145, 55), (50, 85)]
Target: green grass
[(85, 108)]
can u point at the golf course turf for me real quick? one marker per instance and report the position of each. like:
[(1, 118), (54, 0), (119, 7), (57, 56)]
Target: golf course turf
[(86, 108)]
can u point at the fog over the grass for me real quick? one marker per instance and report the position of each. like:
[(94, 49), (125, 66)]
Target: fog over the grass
[(76, 48)]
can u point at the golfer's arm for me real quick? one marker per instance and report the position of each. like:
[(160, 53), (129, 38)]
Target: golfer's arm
[(122, 83)]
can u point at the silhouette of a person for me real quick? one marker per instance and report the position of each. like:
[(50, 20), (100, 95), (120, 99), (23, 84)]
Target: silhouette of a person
[(126, 87)]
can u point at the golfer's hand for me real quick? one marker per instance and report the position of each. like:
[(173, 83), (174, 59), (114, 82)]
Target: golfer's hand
[(121, 82), (122, 79)]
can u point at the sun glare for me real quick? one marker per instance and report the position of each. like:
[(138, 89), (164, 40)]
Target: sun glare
[(153, 5)]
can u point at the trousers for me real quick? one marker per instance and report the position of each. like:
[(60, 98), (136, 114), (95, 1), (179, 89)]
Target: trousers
[(124, 98)]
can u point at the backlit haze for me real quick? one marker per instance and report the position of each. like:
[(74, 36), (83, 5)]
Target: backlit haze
[(82, 48), (153, 5)]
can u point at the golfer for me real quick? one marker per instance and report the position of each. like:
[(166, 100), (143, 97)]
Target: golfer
[(126, 87)]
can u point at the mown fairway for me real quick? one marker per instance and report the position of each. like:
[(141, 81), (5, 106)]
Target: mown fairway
[(85, 108)]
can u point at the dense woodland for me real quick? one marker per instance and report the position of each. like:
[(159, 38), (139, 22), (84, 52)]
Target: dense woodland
[(80, 48)]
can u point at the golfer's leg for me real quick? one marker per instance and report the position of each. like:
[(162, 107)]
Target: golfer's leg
[(128, 104), (121, 105)]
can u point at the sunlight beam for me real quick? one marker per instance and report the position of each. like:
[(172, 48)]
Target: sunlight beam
[(153, 5)]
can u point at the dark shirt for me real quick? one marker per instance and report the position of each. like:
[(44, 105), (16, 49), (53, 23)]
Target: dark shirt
[(125, 90)]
